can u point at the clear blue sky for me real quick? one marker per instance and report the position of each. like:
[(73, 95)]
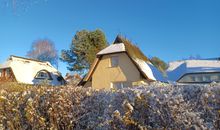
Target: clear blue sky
[(169, 29)]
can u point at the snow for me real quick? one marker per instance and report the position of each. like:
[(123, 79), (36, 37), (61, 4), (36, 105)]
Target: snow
[(155, 106), (149, 70), (157, 74), (173, 65), (120, 47), (179, 68), (25, 70)]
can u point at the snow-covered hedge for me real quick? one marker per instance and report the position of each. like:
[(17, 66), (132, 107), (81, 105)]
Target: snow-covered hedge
[(158, 106)]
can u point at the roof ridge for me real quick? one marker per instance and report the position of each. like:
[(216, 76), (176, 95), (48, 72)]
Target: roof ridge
[(131, 49), (28, 59)]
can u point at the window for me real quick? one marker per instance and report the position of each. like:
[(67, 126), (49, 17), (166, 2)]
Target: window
[(7, 72), (114, 61), (1, 73), (119, 85), (43, 74), (205, 77)]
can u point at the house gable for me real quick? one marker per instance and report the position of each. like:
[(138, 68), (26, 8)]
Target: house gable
[(141, 63), (104, 74)]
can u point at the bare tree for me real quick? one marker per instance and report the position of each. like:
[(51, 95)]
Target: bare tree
[(44, 50)]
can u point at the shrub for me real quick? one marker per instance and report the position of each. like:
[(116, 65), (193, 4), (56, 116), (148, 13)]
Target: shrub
[(158, 106)]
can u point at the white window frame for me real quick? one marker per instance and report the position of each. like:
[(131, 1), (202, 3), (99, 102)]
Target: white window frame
[(122, 84), (45, 77)]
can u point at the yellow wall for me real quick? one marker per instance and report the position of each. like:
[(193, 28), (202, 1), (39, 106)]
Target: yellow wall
[(104, 75)]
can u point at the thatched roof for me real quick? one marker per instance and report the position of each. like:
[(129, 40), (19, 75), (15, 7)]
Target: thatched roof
[(142, 63), (131, 49), (25, 69)]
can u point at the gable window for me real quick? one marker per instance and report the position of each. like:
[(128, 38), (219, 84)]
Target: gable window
[(43, 74), (200, 77), (119, 85), (114, 61)]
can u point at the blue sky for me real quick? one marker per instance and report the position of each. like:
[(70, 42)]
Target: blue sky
[(169, 29)]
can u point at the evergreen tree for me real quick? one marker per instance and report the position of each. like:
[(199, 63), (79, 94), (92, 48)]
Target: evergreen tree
[(83, 49)]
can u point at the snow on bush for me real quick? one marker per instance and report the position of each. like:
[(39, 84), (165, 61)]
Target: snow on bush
[(158, 106)]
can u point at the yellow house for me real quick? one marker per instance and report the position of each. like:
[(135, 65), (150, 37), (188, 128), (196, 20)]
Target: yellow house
[(119, 65)]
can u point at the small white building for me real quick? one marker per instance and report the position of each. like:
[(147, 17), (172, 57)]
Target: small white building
[(29, 71), (194, 71)]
